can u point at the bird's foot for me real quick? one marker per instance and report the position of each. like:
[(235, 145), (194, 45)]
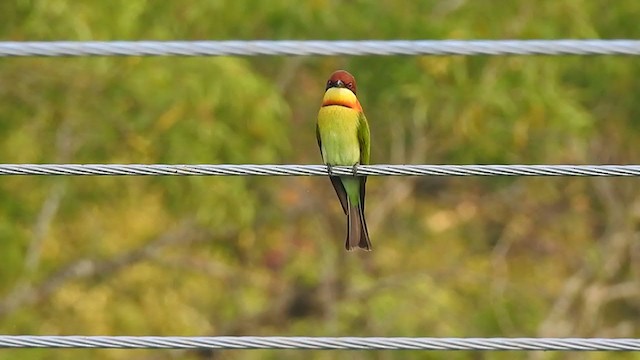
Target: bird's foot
[(330, 169), (354, 169)]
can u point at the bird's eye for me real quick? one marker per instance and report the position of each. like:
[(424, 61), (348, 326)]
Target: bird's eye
[(350, 85)]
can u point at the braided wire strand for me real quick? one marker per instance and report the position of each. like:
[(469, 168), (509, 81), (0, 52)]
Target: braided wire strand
[(320, 343), (320, 47), (315, 170)]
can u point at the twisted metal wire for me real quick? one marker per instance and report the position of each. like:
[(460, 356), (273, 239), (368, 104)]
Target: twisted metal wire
[(316, 170), (321, 48), (319, 343)]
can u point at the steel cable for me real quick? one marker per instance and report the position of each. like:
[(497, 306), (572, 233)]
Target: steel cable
[(319, 47), (316, 170), (319, 343)]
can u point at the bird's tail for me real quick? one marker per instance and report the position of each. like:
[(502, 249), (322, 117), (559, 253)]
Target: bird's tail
[(357, 233)]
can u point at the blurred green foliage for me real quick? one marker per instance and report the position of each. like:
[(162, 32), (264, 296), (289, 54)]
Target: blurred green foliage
[(264, 256)]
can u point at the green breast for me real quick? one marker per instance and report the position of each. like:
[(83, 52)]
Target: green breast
[(338, 129)]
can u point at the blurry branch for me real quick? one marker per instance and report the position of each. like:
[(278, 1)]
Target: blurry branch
[(64, 150), (206, 267), (500, 280), (558, 320), (25, 294), (397, 281), (41, 227), (626, 290)]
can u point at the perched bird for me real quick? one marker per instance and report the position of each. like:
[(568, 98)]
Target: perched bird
[(343, 137)]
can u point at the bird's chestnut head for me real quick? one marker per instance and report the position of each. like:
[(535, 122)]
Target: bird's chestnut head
[(342, 79)]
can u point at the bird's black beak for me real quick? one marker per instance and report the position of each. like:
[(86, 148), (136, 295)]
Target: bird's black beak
[(335, 84)]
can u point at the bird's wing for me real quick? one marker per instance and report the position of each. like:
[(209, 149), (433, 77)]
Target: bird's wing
[(341, 192), (319, 140), (364, 140)]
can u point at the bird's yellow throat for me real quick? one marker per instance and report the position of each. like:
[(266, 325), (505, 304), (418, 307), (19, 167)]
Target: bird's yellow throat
[(342, 97)]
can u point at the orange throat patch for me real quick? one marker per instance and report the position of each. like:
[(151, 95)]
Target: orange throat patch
[(341, 97), (354, 106)]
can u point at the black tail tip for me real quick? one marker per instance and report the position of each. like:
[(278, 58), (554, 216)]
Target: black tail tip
[(361, 246)]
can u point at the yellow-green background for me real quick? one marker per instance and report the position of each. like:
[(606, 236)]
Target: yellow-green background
[(454, 257)]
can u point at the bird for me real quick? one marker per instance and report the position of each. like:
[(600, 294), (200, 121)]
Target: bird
[(343, 137)]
